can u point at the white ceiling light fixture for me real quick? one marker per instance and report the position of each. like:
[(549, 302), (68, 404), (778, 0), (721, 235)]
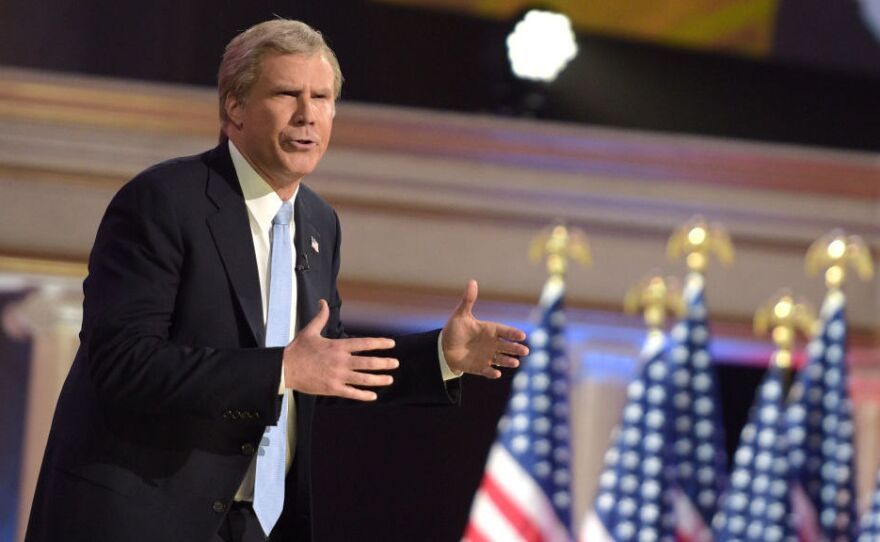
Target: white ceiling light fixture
[(541, 45)]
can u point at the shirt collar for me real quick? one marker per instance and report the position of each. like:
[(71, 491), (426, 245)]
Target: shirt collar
[(261, 200)]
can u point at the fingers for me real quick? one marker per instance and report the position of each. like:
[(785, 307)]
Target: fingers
[(510, 333), (355, 378), (319, 321), (348, 392), (511, 348), (501, 360), (490, 372), (365, 344), (466, 305), (368, 379), (362, 363), (320, 366)]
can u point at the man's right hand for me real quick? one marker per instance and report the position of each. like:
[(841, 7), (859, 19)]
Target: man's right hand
[(319, 366)]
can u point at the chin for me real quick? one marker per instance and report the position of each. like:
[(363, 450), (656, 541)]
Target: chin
[(300, 170)]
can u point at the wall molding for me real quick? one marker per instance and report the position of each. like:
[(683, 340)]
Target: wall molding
[(430, 199)]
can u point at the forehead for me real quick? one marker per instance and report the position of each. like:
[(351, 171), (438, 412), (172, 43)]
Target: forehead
[(298, 69)]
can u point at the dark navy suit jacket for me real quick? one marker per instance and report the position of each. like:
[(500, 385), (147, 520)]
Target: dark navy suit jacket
[(170, 391)]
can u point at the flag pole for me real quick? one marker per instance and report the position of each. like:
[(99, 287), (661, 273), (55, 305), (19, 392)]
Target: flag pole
[(820, 408), (641, 437), (526, 493), (695, 495)]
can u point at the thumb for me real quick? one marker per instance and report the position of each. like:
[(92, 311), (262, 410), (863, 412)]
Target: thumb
[(319, 321), (466, 305)]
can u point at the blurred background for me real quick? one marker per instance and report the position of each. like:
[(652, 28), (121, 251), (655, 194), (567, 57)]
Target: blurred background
[(447, 159)]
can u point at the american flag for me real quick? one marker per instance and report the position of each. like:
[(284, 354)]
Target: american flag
[(820, 432), (870, 524), (525, 494), (698, 451), (758, 504), (633, 502)]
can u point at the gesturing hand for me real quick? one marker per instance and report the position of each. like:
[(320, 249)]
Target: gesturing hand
[(320, 366), (477, 347)]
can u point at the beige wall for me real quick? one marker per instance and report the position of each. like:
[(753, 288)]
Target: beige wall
[(447, 197)]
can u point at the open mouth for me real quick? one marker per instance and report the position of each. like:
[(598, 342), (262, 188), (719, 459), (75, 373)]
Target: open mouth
[(301, 143)]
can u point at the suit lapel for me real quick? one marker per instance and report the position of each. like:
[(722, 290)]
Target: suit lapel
[(307, 259), (232, 235)]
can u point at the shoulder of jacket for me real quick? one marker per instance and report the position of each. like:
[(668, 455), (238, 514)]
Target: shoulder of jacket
[(174, 176)]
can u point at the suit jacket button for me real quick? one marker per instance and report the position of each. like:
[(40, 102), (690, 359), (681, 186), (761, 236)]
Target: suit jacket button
[(219, 507), (248, 449)]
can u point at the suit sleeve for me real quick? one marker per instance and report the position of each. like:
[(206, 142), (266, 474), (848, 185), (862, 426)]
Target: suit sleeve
[(418, 380), (130, 293)]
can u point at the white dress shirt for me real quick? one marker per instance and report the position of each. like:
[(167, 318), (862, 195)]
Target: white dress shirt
[(262, 204)]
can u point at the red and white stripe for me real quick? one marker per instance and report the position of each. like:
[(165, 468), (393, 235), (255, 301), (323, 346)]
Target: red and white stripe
[(689, 524), (510, 506), (593, 530), (806, 520)]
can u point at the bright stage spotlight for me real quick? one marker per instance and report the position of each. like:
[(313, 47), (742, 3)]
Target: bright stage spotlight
[(871, 15), (541, 45)]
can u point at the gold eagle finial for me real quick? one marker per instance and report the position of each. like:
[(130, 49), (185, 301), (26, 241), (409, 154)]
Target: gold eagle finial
[(696, 239), (655, 296), (561, 244), (784, 317), (834, 252)]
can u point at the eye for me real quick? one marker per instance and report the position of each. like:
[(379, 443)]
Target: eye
[(287, 93)]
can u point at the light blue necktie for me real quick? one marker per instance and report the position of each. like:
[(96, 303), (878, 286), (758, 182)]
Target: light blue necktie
[(272, 455)]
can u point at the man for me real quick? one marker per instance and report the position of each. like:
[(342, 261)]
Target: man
[(187, 412)]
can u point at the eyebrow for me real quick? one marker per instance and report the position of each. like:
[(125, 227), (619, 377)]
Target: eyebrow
[(299, 88)]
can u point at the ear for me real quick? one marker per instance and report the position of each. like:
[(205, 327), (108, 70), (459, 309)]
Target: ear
[(234, 108)]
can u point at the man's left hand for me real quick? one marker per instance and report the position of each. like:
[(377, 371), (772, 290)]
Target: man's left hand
[(475, 347)]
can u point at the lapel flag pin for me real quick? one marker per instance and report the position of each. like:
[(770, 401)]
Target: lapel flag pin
[(315, 246)]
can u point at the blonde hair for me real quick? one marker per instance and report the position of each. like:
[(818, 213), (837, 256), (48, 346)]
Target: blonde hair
[(240, 66)]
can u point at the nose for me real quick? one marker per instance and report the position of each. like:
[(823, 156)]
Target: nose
[(303, 114)]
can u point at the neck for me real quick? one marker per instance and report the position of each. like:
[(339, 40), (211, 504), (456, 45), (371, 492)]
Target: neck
[(284, 192)]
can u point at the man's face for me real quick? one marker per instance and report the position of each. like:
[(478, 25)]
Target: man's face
[(283, 125)]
